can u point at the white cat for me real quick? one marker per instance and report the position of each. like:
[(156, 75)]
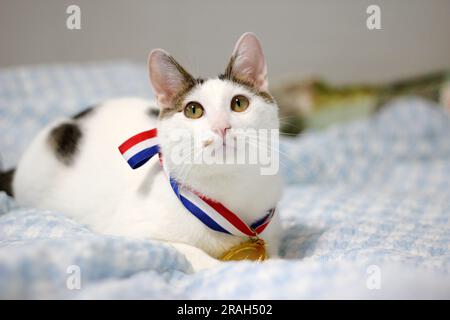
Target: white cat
[(73, 166)]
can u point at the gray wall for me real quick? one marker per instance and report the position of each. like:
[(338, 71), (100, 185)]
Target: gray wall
[(301, 38)]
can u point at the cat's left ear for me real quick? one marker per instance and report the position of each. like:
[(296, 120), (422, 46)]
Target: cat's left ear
[(247, 62)]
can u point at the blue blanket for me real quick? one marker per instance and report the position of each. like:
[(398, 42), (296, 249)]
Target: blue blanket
[(366, 209)]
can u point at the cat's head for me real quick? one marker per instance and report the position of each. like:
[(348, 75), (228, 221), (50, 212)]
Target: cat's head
[(211, 112)]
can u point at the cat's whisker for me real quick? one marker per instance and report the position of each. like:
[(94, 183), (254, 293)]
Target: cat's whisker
[(265, 140), (295, 167), (258, 145)]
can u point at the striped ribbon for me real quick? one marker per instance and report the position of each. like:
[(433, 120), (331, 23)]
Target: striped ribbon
[(140, 148)]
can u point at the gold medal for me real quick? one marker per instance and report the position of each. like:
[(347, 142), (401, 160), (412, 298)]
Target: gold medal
[(253, 249)]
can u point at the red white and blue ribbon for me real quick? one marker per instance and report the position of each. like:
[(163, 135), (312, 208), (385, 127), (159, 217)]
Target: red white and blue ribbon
[(218, 217), (140, 148)]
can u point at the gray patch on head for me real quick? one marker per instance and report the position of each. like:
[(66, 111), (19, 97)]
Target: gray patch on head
[(6, 179), (64, 141)]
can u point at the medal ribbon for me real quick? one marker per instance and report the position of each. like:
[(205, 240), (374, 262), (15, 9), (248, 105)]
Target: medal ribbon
[(140, 148)]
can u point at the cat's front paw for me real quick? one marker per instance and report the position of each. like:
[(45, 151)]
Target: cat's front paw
[(198, 258)]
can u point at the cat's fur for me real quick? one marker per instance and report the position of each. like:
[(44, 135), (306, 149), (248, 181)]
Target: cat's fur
[(73, 166)]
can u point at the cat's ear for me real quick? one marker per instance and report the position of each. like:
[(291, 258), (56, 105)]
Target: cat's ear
[(247, 62), (167, 76)]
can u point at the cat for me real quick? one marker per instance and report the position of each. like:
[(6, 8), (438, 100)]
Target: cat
[(73, 165)]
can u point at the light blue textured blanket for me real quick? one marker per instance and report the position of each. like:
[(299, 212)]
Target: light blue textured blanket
[(366, 209)]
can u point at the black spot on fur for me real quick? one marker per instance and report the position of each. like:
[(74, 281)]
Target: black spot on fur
[(83, 113), (6, 179), (64, 140), (199, 80), (153, 113)]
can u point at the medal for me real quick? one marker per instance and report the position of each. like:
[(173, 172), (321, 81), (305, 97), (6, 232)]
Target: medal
[(253, 249)]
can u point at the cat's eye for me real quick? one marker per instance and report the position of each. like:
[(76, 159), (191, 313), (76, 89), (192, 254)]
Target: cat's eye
[(193, 110), (239, 103)]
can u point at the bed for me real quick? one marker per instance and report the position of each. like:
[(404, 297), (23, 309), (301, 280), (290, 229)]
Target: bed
[(365, 212)]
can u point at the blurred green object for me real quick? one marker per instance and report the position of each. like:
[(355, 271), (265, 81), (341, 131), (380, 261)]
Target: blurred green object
[(314, 104)]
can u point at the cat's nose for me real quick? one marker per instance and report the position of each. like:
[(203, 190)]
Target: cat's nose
[(222, 130)]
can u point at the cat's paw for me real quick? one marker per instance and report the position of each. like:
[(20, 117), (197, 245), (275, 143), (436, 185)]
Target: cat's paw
[(198, 258)]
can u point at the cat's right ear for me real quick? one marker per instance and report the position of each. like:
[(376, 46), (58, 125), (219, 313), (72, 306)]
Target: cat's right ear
[(167, 77)]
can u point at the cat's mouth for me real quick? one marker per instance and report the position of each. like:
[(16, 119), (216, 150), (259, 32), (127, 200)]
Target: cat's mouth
[(218, 143)]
